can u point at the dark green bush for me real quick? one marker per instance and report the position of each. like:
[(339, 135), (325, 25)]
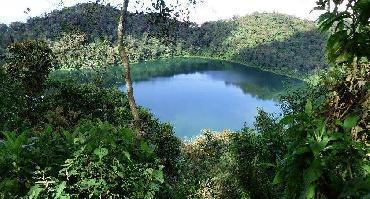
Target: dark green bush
[(167, 145), (234, 165), (107, 162), (323, 160), (13, 103), (255, 164), (29, 62), (21, 155), (23, 75), (66, 103), (95, 159), (207, 168)]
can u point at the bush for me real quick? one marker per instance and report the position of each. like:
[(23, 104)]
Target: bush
[(96, 159), (207, 168), (255, 164), (22, 81), (66, 103), (108, 162), (234, 165), (13, 103), (29, 62), (167, 145), (21, 155)]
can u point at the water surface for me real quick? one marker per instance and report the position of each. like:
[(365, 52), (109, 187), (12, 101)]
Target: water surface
[(201, 94)]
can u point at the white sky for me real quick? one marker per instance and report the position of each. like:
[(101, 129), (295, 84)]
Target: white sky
[(209, 10)]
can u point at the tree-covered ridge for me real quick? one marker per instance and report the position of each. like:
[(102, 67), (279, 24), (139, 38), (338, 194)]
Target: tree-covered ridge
[(62, 139), (92, 19), (267, 40), (271, 41)]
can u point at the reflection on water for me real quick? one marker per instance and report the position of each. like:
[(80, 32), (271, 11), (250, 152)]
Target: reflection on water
[(194, 95)]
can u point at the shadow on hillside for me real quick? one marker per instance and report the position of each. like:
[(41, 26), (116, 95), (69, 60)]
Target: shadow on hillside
[(210, 35), (304, 50)]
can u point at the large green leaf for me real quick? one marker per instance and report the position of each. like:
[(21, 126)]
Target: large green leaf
[(60, 191), (308, 107), (278, 178), (158, 175), (145, 148), (350, 122), (34, 192), (301, 150), (313, 173), (127, 155), (101, 152), (309, 192), (317, 147)]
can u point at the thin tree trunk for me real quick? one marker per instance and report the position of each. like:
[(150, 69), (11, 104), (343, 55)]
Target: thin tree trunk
[(126, 65)]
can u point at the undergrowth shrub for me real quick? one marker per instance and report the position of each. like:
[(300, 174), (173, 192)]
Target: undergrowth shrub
[(96, 159), (29, 62), (64, 105), (256, 154), (23, 76), (13, 103), (207, 168), (234, 164), (108, 162), (329, 140), (21, 155)]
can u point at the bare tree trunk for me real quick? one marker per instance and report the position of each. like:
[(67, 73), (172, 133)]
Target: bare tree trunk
[(126, 65)]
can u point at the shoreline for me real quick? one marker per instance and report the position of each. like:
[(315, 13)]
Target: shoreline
[(300, 77), (241, 63)]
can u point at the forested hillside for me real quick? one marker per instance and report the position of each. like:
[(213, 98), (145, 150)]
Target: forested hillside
[(267, 40), (61, 138), (270, 41)]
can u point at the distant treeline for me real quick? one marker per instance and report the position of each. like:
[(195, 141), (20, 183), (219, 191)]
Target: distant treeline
[(270, 41)]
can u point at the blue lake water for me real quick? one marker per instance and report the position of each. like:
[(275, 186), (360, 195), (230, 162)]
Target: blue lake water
[(211, 95)]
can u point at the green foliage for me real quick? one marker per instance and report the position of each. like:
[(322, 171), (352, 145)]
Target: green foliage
[(268, 41), (322, 162), (29, 62), (23, 79), (350, 29), (107, 162), (95, 159), (167, 145), (73, 51), (22, 155), (294, 99), (234, 165), (255, 165), (265, 40), (328, 137), (64, 105), (12, 100), (256, 155), (208, 168)]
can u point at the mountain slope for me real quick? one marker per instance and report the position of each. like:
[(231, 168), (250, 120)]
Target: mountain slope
[(267, 40), (270, 41)]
